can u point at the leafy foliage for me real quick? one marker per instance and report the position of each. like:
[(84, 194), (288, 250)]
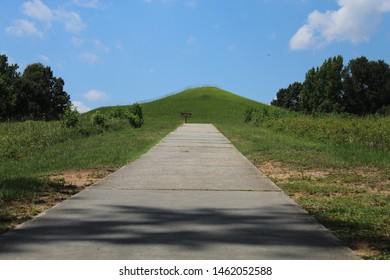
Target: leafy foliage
[(98, 119), (8, 78), (71, 117), (133, 114), (289, 98), (360, 88), (135, 117), (366, 86), (36, 94)]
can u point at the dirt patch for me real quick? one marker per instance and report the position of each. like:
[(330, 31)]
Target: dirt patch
[(364, 249), (68, 184), (80, 178), (282, 172), (371, 180), (301, 184)]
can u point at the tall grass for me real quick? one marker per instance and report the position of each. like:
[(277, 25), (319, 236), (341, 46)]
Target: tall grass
[(20, 140), (371, 131)]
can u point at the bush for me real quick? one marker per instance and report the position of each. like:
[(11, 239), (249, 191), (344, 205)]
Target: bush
[(71, 117), (134, 120), (118, 113), (99, 119), (136, 109), (135, 116), (132, 114)]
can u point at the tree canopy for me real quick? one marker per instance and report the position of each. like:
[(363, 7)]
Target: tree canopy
[(362, 87), (36, 94)]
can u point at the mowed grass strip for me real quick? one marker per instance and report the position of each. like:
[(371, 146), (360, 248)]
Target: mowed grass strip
[(343, 184)]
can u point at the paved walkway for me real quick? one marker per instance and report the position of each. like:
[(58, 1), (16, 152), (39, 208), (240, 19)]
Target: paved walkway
[(192, 196)]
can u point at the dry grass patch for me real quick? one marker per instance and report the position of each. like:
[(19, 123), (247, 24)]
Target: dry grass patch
[(55, 188), (353, 203), (80, 178)]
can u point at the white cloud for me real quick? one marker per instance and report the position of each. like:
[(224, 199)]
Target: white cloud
[(87, 3), (22, 27), (77, 42), (71, 20), (97, 47), (95, 95), (355, 21), (167, 2), (303, 39), (96, 43), (100, 46), (43, 58), (192, 3), (192, 43), (81, 108), (37, 10), (89, 57)]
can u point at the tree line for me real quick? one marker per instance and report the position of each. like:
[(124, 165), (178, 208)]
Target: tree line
[(35, 94), (360, 88)]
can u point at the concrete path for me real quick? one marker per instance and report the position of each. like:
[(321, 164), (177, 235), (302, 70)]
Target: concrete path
[(192, 196)]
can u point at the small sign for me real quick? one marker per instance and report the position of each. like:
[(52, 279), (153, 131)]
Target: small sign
[(186, 115)]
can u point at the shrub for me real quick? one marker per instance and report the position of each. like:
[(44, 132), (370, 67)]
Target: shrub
[(132, 114), (135, 116), (134, 120), (118, 113), (99, 119), (71, 117), (136, 109)]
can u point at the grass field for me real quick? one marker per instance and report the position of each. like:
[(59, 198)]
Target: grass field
[(336, 167)]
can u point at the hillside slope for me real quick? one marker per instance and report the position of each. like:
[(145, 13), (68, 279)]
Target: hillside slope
[(207, 105)]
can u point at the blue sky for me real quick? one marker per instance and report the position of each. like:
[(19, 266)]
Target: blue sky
[(124, 51)]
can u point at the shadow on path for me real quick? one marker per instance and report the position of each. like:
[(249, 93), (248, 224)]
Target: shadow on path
[(191, 229)]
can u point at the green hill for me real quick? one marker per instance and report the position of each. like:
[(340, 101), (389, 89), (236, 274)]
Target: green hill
[(207, 105)]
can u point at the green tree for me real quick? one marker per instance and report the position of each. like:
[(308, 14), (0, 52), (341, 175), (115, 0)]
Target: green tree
[(323, 88), (308, 91), (289, 98), (366, 86), (8, 80), (40, 95)]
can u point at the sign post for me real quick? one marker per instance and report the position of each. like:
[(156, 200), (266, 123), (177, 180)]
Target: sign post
[(186, 115)]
